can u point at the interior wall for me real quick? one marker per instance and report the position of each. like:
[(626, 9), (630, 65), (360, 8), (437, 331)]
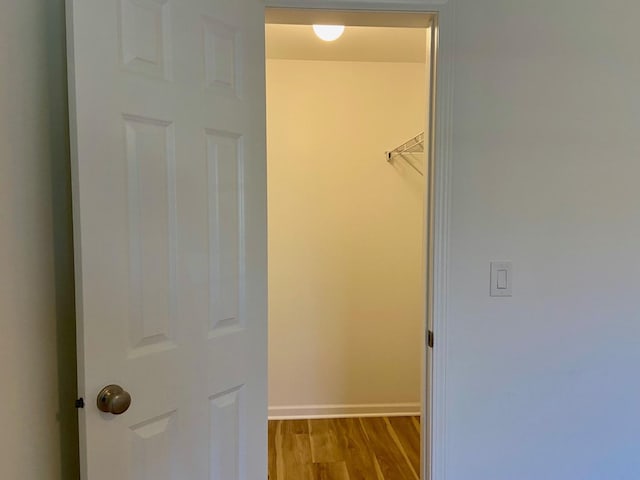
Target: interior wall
[(345, 237), (546, 162), (37, 343), (542, 385)]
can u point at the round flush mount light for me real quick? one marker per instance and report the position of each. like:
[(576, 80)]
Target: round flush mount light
[(328, 33)]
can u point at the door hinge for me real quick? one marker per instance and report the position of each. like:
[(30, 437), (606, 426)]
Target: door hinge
[(429, 338), (80, 403)]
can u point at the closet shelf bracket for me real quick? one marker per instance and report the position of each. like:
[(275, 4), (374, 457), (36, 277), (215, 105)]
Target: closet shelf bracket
[(413, 146)]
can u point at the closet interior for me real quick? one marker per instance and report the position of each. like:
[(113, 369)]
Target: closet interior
[(346, 246)]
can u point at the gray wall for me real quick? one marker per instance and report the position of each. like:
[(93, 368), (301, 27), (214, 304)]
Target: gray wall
[(545, 385), (37, 343)]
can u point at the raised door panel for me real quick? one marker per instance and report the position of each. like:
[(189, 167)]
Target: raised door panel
[(153, 449), (150, 157), (226, 443), (225, 170)]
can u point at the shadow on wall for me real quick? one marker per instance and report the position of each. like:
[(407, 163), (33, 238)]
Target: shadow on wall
[(63, 240)]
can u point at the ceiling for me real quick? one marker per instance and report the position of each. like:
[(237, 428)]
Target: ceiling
[(357, 44)]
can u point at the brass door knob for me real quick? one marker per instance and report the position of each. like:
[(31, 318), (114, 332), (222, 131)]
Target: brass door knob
[(114, 399)]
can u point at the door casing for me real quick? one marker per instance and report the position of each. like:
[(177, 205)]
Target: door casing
[(437, 213)]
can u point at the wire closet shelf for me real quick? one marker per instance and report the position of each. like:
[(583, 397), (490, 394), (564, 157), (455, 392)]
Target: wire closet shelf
[(407, 152)]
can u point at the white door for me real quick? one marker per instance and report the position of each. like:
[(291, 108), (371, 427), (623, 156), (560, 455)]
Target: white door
[(167, 127)]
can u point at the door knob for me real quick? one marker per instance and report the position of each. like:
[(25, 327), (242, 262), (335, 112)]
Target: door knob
[(114, 399)]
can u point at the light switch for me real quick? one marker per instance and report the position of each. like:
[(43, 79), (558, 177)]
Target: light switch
[(501, 279)]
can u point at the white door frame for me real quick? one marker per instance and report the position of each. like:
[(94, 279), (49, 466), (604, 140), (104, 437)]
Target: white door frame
[(438, 206)]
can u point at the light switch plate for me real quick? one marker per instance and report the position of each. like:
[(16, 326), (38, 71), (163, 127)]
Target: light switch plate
[(501, 279)]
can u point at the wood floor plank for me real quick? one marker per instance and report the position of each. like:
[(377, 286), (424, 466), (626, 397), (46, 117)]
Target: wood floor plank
[(293, 452), (344, 449), (392, 463), (330, 471), (324, 442), (353, 443), (273, 466), (379, 475), (320, 425), (416, 423), (296, 426), (408, 440)]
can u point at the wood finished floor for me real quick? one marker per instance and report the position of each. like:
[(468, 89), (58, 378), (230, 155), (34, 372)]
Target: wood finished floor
[(385, 448)]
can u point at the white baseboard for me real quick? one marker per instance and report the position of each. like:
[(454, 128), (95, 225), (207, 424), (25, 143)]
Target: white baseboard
[(343, 411)]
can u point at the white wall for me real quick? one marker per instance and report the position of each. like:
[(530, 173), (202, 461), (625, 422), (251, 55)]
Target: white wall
[(545, 385), (36, 313), (345, 236)]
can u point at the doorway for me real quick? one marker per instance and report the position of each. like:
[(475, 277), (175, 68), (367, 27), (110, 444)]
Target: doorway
[(347, 168), (171, 241)]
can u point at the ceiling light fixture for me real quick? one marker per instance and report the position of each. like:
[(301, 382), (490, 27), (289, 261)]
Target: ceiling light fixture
[(328, 33)]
